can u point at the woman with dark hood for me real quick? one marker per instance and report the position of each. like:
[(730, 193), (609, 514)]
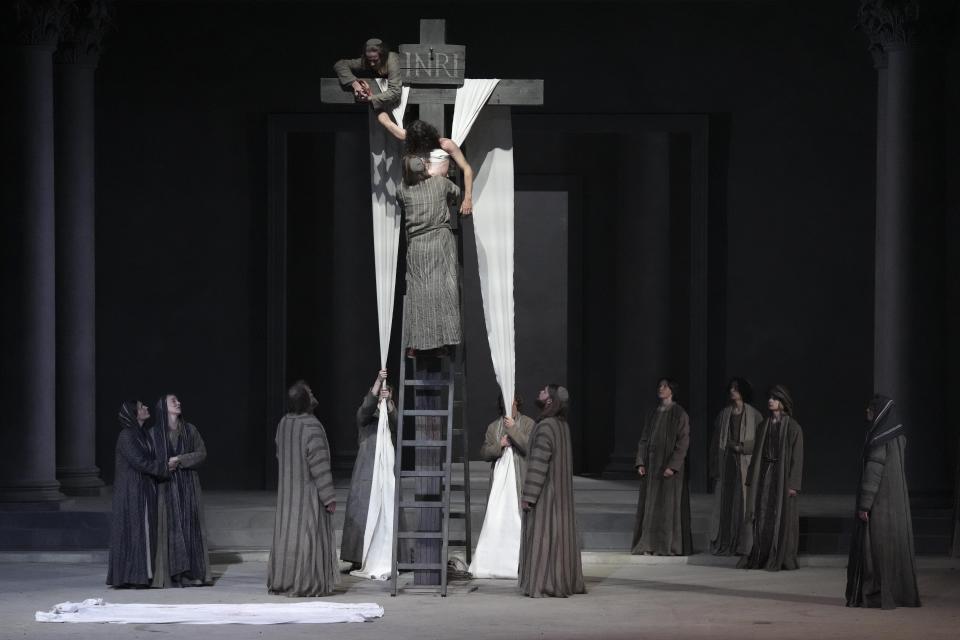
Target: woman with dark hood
[(431, 311), (771, 530), (731, 450), (133, 529), (182, 558), (882, 570)]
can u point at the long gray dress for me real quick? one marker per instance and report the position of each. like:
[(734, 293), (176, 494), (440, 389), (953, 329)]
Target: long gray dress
[(663, 508), (133, 529), (882, 569), (549, 544), (303, 558), (431, 315), (730, 456), (519, 438), (182, 555), (771, 532), (358, 501)]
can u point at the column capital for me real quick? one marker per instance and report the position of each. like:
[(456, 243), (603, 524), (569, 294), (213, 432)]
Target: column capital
[(82, 36), (888, 25), (33, 22)]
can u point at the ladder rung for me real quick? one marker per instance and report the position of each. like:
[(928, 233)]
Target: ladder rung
[(456, 543), (458, 432), (456, 487), (423, 474), (421, 535), (421, 565), (423, 443), (457, 515), (426, 412), (421, 504), (427, 383)]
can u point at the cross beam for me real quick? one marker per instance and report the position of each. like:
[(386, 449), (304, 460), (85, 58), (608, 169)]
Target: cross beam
[(433, 69)]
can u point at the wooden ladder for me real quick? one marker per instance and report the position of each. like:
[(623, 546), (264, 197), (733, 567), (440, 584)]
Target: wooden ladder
[(436, 403)]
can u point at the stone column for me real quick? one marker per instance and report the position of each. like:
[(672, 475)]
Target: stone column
[(74, 68), (889, 26), (27, 334)]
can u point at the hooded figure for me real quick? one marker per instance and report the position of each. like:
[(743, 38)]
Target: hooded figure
[(882, 570), (133, 525), (182, 557), (771, 532)]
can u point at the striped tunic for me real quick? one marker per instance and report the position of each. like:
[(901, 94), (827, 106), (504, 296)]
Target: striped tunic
[(549, 545), (303, 558), (431, 316)]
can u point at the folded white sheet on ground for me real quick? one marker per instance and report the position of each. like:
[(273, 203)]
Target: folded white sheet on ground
[(96, 610)]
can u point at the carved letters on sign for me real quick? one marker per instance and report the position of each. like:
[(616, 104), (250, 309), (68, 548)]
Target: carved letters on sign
[(437, 64)]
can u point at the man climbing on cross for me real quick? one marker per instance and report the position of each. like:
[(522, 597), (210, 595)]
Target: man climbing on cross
[(377, 62)]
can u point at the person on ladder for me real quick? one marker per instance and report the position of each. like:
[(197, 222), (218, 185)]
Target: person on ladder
[(431, 315)]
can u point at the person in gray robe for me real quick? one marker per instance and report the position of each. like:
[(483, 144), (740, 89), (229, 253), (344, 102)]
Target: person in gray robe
[(303, 557), (182, 557), (771, 532), (431, 310), (882, 568), (663, 508), (508, 431), (731, 450), (358, 500), (549, 544), (377, 62), (133, 521)]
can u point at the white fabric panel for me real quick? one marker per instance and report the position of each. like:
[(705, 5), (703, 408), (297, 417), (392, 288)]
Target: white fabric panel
[(385, 176), (470, 100), (498, 549), (312, 612), (490, 152)]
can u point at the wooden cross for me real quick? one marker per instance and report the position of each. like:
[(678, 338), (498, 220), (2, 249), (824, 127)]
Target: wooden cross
[(433, 70)]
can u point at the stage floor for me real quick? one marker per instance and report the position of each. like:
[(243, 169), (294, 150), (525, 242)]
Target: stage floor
[(240, 523), (663, 601)]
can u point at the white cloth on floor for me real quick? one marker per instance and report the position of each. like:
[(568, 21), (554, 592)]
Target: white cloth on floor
[(498, 549), (312, 612), (385, 176)]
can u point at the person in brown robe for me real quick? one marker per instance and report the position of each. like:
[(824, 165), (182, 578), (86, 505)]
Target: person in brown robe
[(508, 431), (377, 62), (303, 557), (772, 523), (663, 507), (731, 450), (882, 570), (549, 544), (358, 500)]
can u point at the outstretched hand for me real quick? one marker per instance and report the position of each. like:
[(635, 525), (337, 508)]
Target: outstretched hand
[(466, 207)]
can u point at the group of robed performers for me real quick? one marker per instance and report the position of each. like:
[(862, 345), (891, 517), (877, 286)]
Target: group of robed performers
[(756, 461)]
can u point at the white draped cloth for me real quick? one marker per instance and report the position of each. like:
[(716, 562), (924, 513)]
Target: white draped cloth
[(311, 612), (490, 152), (385, 176), (498, 549)]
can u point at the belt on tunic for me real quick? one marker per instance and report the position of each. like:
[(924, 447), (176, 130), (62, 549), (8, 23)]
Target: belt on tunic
[(426, 231)]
